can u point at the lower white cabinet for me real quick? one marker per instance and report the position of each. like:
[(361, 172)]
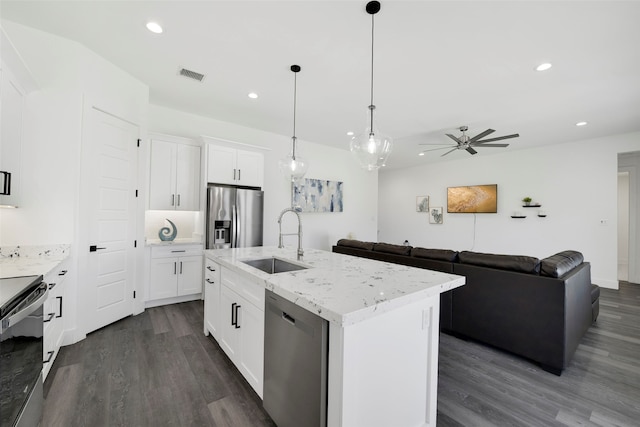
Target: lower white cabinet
[(176, 270), (212, 298), (54, 312), (239, 327)]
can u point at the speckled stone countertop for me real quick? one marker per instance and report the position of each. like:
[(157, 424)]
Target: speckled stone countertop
[(340, 288), (16, 261)]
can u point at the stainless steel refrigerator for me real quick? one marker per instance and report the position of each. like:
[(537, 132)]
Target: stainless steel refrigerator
[(234, 217)]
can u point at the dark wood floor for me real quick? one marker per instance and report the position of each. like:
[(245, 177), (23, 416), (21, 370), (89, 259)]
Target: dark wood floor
[(158, 369)]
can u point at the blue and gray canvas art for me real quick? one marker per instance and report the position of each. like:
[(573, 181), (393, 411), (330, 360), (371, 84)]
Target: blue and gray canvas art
[(317, 195)]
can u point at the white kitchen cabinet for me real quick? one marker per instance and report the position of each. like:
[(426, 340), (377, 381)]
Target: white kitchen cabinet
[(212, 298), (227, 165), (175, 175), (176, 271), (11, 108), (54, 312), (242, 326)]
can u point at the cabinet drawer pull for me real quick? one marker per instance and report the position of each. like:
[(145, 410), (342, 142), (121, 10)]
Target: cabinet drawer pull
[(60, 307), (176, 250), (237, 324), (62, 273), (51, 316), (52, 285), (49, 356), (210, 269), (209, 281)]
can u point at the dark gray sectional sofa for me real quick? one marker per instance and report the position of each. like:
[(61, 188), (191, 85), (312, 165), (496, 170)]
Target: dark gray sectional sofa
[(537, 309)]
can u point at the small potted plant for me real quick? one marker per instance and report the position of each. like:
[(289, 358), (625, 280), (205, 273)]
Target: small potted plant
[(527, 201)]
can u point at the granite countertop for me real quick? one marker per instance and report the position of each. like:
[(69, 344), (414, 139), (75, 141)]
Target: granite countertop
[(19, 261), (340, 288)]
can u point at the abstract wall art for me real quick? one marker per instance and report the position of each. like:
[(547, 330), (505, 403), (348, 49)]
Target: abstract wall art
[(317, 195), (422, 204)]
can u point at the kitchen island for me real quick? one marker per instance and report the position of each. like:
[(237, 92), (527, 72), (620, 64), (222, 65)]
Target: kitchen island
[(383, 329)]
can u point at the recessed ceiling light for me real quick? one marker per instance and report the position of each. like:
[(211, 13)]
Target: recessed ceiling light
[(253, 95), (581, 124), (421, 154), (154, 27), (350, 133), (544, 67)]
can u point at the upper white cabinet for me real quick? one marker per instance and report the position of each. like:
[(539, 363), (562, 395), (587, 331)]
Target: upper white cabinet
[(15, 83), (175, 175), (236, 167)]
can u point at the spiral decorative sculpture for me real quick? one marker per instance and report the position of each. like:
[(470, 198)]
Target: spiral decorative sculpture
[(167, 234)]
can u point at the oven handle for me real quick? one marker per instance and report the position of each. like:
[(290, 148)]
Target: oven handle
[(22, 314)]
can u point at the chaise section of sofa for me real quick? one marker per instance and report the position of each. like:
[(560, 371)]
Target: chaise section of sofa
[(537, 309)]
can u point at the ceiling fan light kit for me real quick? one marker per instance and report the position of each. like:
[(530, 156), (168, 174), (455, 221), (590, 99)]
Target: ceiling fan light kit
[(371, 148), (292, 166), (464, 142)]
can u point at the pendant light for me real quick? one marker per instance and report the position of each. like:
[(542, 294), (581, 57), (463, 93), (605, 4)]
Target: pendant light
[(293, 167), (371, 148)]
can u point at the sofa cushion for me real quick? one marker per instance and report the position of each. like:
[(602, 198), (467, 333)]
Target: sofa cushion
[(439, 254), (561, 263), (358, 244), (518, 263), (392, 249)]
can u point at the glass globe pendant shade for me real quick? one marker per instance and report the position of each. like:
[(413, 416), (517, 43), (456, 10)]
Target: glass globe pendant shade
[(371, 148), (292, 166)]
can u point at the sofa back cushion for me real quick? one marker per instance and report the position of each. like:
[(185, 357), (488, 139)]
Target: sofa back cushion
[(561, 263), (392, 249), (518, 263), (357, 244), (439, 254)]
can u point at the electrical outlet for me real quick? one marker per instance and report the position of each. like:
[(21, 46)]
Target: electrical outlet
[(604, 222)]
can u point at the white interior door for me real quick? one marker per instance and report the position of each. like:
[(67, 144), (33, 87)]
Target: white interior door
[(108, 222)]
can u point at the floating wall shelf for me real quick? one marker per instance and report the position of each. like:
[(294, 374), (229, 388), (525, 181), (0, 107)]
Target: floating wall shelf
[(531, 206)]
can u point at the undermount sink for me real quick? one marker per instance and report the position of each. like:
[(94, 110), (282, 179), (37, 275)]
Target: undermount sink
[(273, 265)]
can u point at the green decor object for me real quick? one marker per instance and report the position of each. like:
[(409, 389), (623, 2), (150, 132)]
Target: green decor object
[(167, 234)]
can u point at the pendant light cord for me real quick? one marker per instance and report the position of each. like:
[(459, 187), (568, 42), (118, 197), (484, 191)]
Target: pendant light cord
[(371, 106), (295, 86)]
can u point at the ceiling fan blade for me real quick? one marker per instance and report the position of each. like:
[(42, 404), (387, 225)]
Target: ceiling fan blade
[(481, 145), (453, 149), (471, 150), (454, 138), (430, 143), (481, 135), (435, 149), (515, 135)]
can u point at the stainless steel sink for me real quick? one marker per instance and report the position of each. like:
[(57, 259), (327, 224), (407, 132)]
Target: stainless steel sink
[(273, 265)]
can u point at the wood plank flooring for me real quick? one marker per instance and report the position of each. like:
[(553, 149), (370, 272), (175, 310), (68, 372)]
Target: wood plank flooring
[(158, 369)]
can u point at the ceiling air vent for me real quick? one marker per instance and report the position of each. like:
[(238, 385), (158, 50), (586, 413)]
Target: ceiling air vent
[(191, 74)]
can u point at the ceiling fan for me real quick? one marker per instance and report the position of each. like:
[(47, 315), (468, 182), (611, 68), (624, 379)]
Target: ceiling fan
[(463, 142)]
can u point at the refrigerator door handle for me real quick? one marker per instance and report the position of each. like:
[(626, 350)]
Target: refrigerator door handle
[(234, 226)]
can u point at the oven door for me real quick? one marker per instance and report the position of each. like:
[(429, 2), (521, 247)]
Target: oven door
[(21, 343)]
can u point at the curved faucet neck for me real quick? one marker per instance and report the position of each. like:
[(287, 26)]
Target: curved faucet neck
[(299, 233)]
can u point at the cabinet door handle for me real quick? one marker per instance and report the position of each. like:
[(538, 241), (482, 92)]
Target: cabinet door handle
[(180, 267), (49, 356), (175, 268), (60, 306), (237, 324), (62, 273), (52, 285), (239, 170), (94, 248), (51, 316), (178, 200), (173, 200), (210, 269), (233, 310), (6, 187), (209, 281), (234, 174)]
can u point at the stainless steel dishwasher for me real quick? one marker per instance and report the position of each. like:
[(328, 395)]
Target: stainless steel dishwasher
[(295, 364)]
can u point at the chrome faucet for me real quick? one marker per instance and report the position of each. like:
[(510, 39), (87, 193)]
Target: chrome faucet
[(299, 233)]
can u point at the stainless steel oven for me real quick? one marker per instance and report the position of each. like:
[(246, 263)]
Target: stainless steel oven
[(21, 344)]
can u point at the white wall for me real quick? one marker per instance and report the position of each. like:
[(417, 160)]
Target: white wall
[(320, 230), (576, 184)]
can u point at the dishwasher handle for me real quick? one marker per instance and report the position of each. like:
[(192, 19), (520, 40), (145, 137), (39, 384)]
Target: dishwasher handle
[(288, 318)]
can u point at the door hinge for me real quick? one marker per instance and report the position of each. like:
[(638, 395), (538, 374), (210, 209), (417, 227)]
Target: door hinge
[(139, 142), (134, 294), (135, 243)]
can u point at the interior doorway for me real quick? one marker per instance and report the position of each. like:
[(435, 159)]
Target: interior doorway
[(623, 226)]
